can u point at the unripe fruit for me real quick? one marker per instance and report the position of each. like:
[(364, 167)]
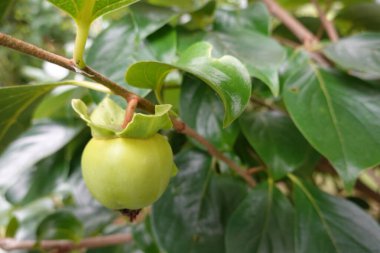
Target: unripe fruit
[(126, 173)]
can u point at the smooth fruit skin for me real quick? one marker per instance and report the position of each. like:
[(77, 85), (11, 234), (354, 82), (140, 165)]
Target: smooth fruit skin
[(124, 173)]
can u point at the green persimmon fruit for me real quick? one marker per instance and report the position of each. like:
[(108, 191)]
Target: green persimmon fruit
[(127, 173)]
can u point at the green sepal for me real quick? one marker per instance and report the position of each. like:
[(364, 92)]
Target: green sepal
[(107, 119)]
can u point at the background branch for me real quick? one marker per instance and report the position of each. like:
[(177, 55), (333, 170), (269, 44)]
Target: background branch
[(327, 24), (180, 126), (65, 245)]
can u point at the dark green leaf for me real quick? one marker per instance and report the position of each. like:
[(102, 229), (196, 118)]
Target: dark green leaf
[(325, 223), (196, 206), (263, 222), (4, 4), (361, 16), (225, 75), (278, 142), (188, 5), (60, 225), (142, 235), (203, 111), (163, 44), (255, 18), (359, 53), (260, 54), (338, 116), (12, 227), (17, 105), (127, 48)]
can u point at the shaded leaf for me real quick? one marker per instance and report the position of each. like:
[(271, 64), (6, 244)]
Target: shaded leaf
[(359, 53), (196, 206), (325, 223), (263, 222), (361, 15), (278, 142), (143, 236), (60, 225), (17, 107), (225, 75), (202, 110), (4, 4), (260, 54), (255, 17), (188, 5), (338, 116)]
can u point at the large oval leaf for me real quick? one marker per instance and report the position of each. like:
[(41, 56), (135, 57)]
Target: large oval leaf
[(196, 206), (338, 114), (263, 222), (325, 223), (360, 53), (226, 76), (278, 142), (17, 105)]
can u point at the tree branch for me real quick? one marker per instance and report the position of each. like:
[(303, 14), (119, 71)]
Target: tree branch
[(327, 24), (299, 30), (24, 47), (9, 244)]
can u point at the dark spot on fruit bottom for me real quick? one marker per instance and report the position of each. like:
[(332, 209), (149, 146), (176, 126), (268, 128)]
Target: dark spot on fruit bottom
[(131, 214)]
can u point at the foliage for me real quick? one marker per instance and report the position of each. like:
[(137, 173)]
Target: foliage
[(301, 120)]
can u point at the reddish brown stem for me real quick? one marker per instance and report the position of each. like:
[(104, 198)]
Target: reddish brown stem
[(9, 244), (131, 107), (299, 30), (327, 24)]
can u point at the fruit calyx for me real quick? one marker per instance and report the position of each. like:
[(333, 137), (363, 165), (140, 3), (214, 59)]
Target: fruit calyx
[(131, 214)]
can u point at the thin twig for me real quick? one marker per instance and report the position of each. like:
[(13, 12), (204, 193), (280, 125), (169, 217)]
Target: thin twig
[(184, 129), (327, 24), (299, 30), (9, 244), (24, 47), (132, 104)]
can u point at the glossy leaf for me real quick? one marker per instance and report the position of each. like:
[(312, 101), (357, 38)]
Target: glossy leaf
[(225, 75), (278, 142), (196, 206), (127, 48), (188, 5), (359, 53), (337, 114), (262, 58), (39, 142), (17, 105), (255, 17), (203, 111), (60, 225), (89, 10), (325, 223), (263, 222)]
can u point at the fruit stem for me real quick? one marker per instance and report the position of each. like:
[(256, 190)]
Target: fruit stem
[(132, 104)]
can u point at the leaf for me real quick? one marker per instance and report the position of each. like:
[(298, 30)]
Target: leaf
[(188, 5), (197, 206), (263, 222), (325, 223), (338, 116), (106, 49), (60, 225), (17, 105), (89, 10), (278, 142), (262, 58), (225, 75), (255, 17), (107, 119), (203, 111), (143, 236), (4, 5), (361, 16), (39, 142), (359, 53), (12, 227)]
